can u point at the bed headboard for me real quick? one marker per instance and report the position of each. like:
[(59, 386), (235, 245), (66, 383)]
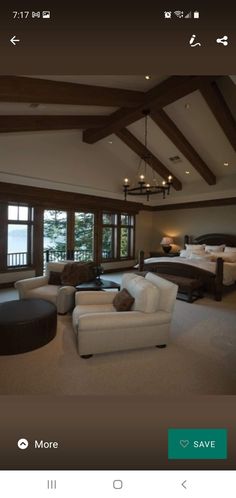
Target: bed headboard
[(212, 239)]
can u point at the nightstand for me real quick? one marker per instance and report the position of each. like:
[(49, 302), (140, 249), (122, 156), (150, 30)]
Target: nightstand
[(161, 254)]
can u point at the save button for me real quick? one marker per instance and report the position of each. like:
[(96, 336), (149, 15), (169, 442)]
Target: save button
[(197, 444)]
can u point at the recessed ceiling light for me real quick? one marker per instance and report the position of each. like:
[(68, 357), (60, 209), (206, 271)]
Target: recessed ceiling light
[(187, 172), (147, 77), (110, 142), (187, 106), (226, 164)]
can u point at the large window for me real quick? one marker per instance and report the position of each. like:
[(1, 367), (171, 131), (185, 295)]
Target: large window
[(126, 236), (55, 235), (84, 236), (19, 236), (117, 236)]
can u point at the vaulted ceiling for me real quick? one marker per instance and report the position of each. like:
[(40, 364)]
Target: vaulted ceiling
[(192, 119)]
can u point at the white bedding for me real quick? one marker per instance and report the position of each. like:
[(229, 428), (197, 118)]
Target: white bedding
[(229, 273)]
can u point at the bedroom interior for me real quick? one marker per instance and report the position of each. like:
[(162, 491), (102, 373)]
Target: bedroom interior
[(67, 143)]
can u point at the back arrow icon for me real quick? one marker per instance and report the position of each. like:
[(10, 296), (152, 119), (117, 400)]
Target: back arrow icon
[(14, 40), (184, 484)]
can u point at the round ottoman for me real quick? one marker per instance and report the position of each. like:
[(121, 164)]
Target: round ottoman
[(26, 325)]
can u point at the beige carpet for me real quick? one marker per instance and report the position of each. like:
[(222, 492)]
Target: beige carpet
[(201, 359)]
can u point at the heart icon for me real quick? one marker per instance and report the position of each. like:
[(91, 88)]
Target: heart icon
[(184, 443)]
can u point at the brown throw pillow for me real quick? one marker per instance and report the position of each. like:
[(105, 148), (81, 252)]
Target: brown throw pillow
[(76, 273), (54, 278), (123, 301)]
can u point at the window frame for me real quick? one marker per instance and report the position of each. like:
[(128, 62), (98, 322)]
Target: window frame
[(116, 236), (30, 229)]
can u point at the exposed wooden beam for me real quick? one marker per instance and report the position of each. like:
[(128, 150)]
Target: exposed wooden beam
[(226, 201), (174, 134), (163, 94), (219, 108), (133, 143), (10, 124), (36, 90)]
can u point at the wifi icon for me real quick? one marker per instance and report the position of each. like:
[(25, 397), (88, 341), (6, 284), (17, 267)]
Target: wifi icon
[(179, 13)]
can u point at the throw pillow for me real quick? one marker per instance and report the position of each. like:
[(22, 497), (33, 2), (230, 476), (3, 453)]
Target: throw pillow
[(123, 301), (219, 248), (76, 273), (228, 257), (54, 278), (230, 249)]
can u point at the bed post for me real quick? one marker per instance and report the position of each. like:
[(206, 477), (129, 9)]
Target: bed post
[(219, 279), (186, 240), (141, 260)]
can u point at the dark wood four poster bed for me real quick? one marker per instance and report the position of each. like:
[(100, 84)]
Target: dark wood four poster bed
[(211, 281)]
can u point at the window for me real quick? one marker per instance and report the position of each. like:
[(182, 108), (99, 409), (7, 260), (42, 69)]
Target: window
[(126, 236), (117, 236), (84, 237), (19, 236), (55, 235), (109, 236)]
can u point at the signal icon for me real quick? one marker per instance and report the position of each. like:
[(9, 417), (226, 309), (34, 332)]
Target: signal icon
[(179, 13), (188, 16)]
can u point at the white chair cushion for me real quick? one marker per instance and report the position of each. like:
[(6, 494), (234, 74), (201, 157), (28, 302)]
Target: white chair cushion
[(124, 320), (47, 292), (168, 291), (127, 277), (146, 294)]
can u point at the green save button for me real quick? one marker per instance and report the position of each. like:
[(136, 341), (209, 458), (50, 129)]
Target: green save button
[(197, 444)]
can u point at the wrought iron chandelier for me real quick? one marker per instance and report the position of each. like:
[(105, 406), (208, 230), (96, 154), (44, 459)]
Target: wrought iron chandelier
[(145, 182)]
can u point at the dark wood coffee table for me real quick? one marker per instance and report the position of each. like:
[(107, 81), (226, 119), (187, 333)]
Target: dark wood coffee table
[(97, 285)]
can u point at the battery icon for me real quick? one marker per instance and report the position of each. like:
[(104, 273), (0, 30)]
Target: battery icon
[(196, 15)]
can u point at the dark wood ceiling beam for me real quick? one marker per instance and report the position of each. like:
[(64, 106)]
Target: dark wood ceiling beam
[(221, 111), (9, 124), (158, 97), (134, 144), (36, 90), (178, 139)]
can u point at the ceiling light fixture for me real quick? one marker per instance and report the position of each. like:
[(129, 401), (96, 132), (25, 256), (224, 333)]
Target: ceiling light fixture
[(226, 164), (187, 106), (187, 172), (110, 142), (145, 181), (147, 77)]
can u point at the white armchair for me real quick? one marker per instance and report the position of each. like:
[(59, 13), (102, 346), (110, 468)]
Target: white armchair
[(99, 328), (39, 287)]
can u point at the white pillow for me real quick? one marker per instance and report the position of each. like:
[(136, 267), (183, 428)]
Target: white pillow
[(200, 255), (183, 253), (195, 246), (198, 249), (215, 248), (230, 249)]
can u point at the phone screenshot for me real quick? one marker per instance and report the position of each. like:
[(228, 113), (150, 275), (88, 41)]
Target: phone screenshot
[(117, 249)]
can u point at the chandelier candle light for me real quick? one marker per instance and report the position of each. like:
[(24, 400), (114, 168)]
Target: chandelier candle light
[(145, 184)]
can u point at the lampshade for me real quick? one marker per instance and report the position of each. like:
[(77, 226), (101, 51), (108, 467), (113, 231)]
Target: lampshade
[(166, 241)]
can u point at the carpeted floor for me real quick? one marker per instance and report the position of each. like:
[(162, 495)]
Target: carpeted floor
[(200, 359)]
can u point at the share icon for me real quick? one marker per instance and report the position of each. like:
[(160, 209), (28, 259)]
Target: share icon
[(223, 40)]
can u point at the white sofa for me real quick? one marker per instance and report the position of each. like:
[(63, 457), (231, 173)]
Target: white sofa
[(99, 328), (38, 287)]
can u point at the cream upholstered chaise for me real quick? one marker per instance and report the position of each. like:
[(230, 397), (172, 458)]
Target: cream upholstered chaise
[(39, 287), (99, 328)]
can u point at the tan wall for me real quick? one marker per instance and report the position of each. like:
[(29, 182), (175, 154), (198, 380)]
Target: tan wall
[(192, 222), (144, 231)]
